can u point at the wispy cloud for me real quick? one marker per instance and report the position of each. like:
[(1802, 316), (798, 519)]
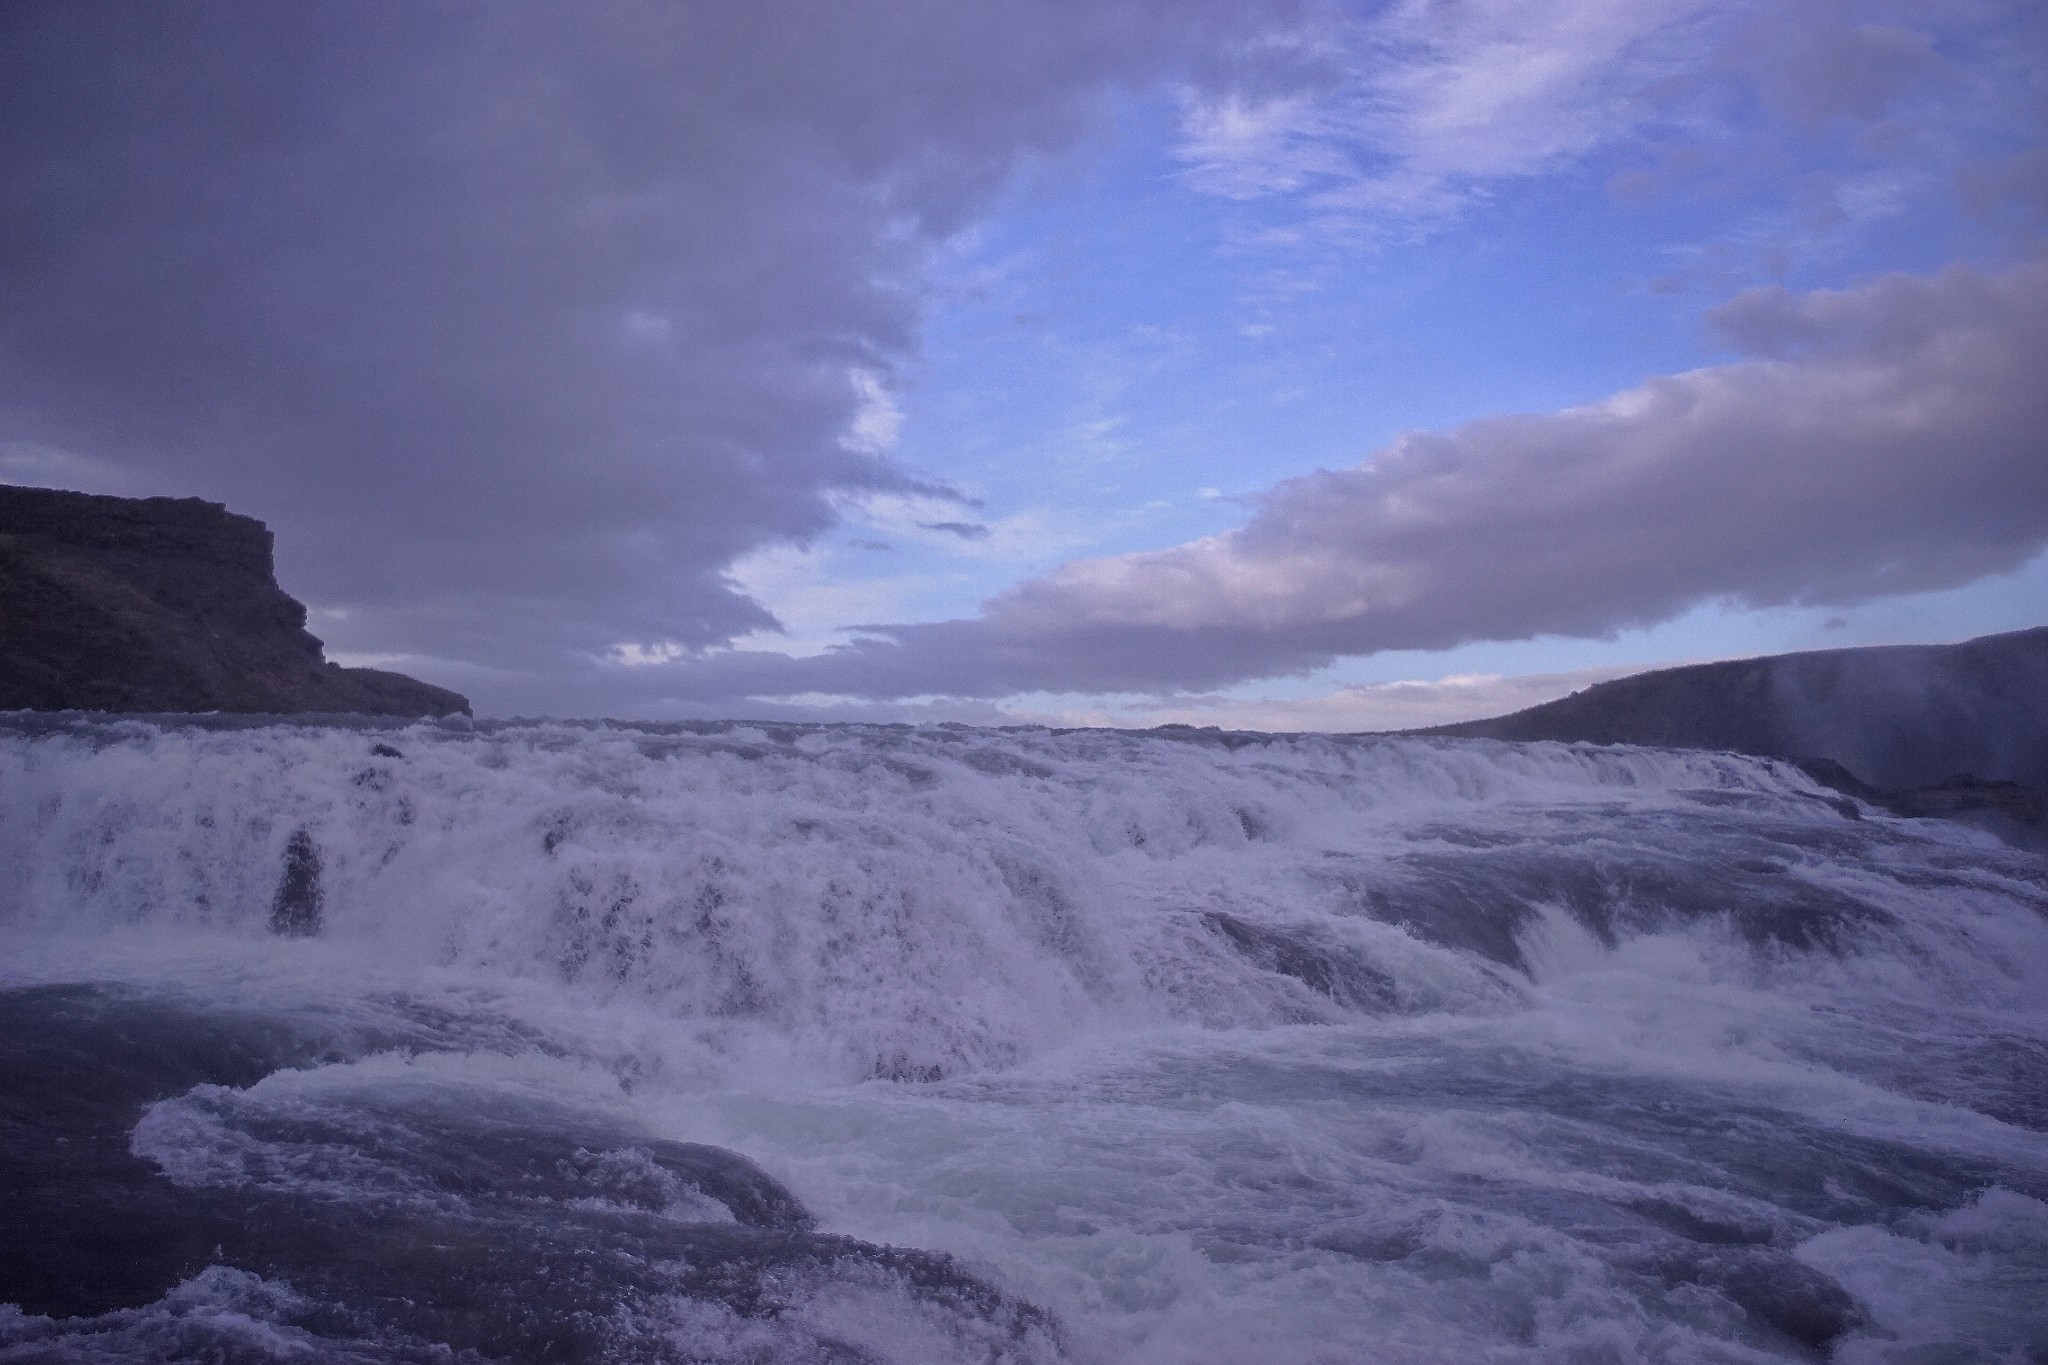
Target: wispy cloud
[(1435, 99), (1430, 107)]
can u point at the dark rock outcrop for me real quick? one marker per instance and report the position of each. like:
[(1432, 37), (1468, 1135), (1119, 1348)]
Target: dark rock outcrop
[(1956, 732), (1898, 717), (165, 604), (460, 1227), (295, 910)]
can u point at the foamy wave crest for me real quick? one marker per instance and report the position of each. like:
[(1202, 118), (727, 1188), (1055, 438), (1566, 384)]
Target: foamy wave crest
[(916, 903)]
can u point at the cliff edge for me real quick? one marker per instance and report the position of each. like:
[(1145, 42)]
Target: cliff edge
[(1896, 716), (165, 604)]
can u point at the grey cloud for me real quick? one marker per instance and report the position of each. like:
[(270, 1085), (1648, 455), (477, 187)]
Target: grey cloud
[(2013, 189), (1888, 439), (1895, 320), (966, 530), (1818, 61), (519, 322)]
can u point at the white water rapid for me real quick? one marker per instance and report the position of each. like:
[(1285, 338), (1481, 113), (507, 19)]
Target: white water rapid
[(1163, 1047)]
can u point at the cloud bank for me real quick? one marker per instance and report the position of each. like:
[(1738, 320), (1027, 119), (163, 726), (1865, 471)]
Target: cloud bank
[(547, 335), (519, 322), (1878, 440)]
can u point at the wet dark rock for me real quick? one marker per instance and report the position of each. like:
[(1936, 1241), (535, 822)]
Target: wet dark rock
[(295, 910), (1964, 793), (385, 751), (1459, 902), (2014, 811), (1324, 969), (1485, 899), (469, 1227), (1785, 1295), (92, 1226), (165, 604), (1720, 1228)]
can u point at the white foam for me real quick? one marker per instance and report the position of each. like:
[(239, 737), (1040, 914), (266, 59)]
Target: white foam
[(1135, 1024)]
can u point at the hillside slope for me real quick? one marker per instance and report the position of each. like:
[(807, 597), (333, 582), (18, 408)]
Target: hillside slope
[(1897, 717)]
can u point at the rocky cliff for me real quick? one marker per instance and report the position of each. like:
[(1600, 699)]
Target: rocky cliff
[(165, 604), (1930, 729)]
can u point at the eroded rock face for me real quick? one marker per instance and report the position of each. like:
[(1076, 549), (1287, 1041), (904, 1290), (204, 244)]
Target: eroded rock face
[(165, 604), (1898, 717)]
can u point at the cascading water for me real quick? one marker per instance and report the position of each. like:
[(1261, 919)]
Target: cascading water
[(726, 1042)]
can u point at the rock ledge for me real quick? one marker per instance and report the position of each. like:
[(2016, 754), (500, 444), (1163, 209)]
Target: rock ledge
[(165, 604)]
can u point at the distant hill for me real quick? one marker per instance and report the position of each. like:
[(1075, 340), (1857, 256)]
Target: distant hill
[(1897, 717), (165, 604)]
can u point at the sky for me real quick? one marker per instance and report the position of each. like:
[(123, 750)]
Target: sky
[(1292, 364)]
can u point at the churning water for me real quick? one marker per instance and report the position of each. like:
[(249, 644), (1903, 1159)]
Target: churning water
[(786, 1043)]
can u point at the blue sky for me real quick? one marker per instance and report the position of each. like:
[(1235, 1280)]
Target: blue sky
[(1117, 357), (1292, 364)]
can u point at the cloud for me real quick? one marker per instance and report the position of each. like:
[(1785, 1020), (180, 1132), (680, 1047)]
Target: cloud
[(2014, 187), (1826, 64), (1426, 101), (551, 339), (1883, 440), (1427, 108), (520, 322), (966, 530), (32, 465)]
